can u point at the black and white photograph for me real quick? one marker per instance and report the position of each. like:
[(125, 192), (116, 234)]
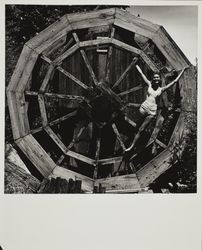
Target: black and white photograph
[(101, 99), (100, 125)]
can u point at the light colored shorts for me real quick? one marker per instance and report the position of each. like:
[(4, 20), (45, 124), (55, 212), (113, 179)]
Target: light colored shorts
[(146, 111)]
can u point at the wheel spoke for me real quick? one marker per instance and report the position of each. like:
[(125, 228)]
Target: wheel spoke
[(118, 136)]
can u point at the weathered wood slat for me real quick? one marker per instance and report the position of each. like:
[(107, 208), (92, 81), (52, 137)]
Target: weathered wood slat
[(74, 79), (19, 69), (149, 62), (50, 35), (67, 53), (119, 182), (95, 42), (14, 115), (86, 61), (130, 90), (154, 168), (38, 156), (81, 157), (54, 46), (161, 144), (125, 46), (42, 110), (47, 78), (59, 161), (112, 160), (56, 139), (86, 185), (135, 105), (132, 123), (76, 137), (118, 136), (55, 95), (135, 24), (91, 19), (22, 113), (124, 74), (109, 55), (97, 154), (170, 50)]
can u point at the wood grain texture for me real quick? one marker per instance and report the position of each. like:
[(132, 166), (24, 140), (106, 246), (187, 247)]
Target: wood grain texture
[(119, 182), (86, 185), (91, 19), (42, 110), (50, 35), (134, 24), (170, 50), (37, 155)]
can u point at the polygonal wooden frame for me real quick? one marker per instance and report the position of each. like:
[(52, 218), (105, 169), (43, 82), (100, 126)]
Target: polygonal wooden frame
[(54, 36)]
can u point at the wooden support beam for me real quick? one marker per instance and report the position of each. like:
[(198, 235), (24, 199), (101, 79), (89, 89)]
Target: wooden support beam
[(97, 154), (37, 155), (80, 157), (84, 56), (161, 144), (119, 182), (59, 161), (76, 137), (154, 168), (132, 123), (59, 120), (112, 160), (47, 78), (118, 136), (130, 90), (74, 79), (149, 62), (50, 35), (42, 110), (95, 42), (109, 55), (135, 105), (86, 185), (66, 54), (55, 95), (134, 24), (91, 19)]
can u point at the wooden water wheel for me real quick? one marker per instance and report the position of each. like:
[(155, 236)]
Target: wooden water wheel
[(74, 95)]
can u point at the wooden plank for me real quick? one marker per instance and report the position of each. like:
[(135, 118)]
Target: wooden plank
[(135, 105), (153, 169), (59, 161), (135, 24), (161, 144), (91, 19), (23, 70), (50, 35), (80, 157), (76, 137), (132, 123), (14, 115), (86, 184), (56, 139), (97, 154), (95, 42), (124, 74), (112, 160), (27, 72), (118, 136), (66, 54), (86, 61), (109, 55), (36, 154), (170, 50), (19, 68), (63, 118), (125, 46), (149, 62), (42, 110), (47, 78), (55, 45), (130, 90), (119, 182), (74, 79), (22, 113)]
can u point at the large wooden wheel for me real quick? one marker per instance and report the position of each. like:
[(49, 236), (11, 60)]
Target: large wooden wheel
[(74, 95)]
